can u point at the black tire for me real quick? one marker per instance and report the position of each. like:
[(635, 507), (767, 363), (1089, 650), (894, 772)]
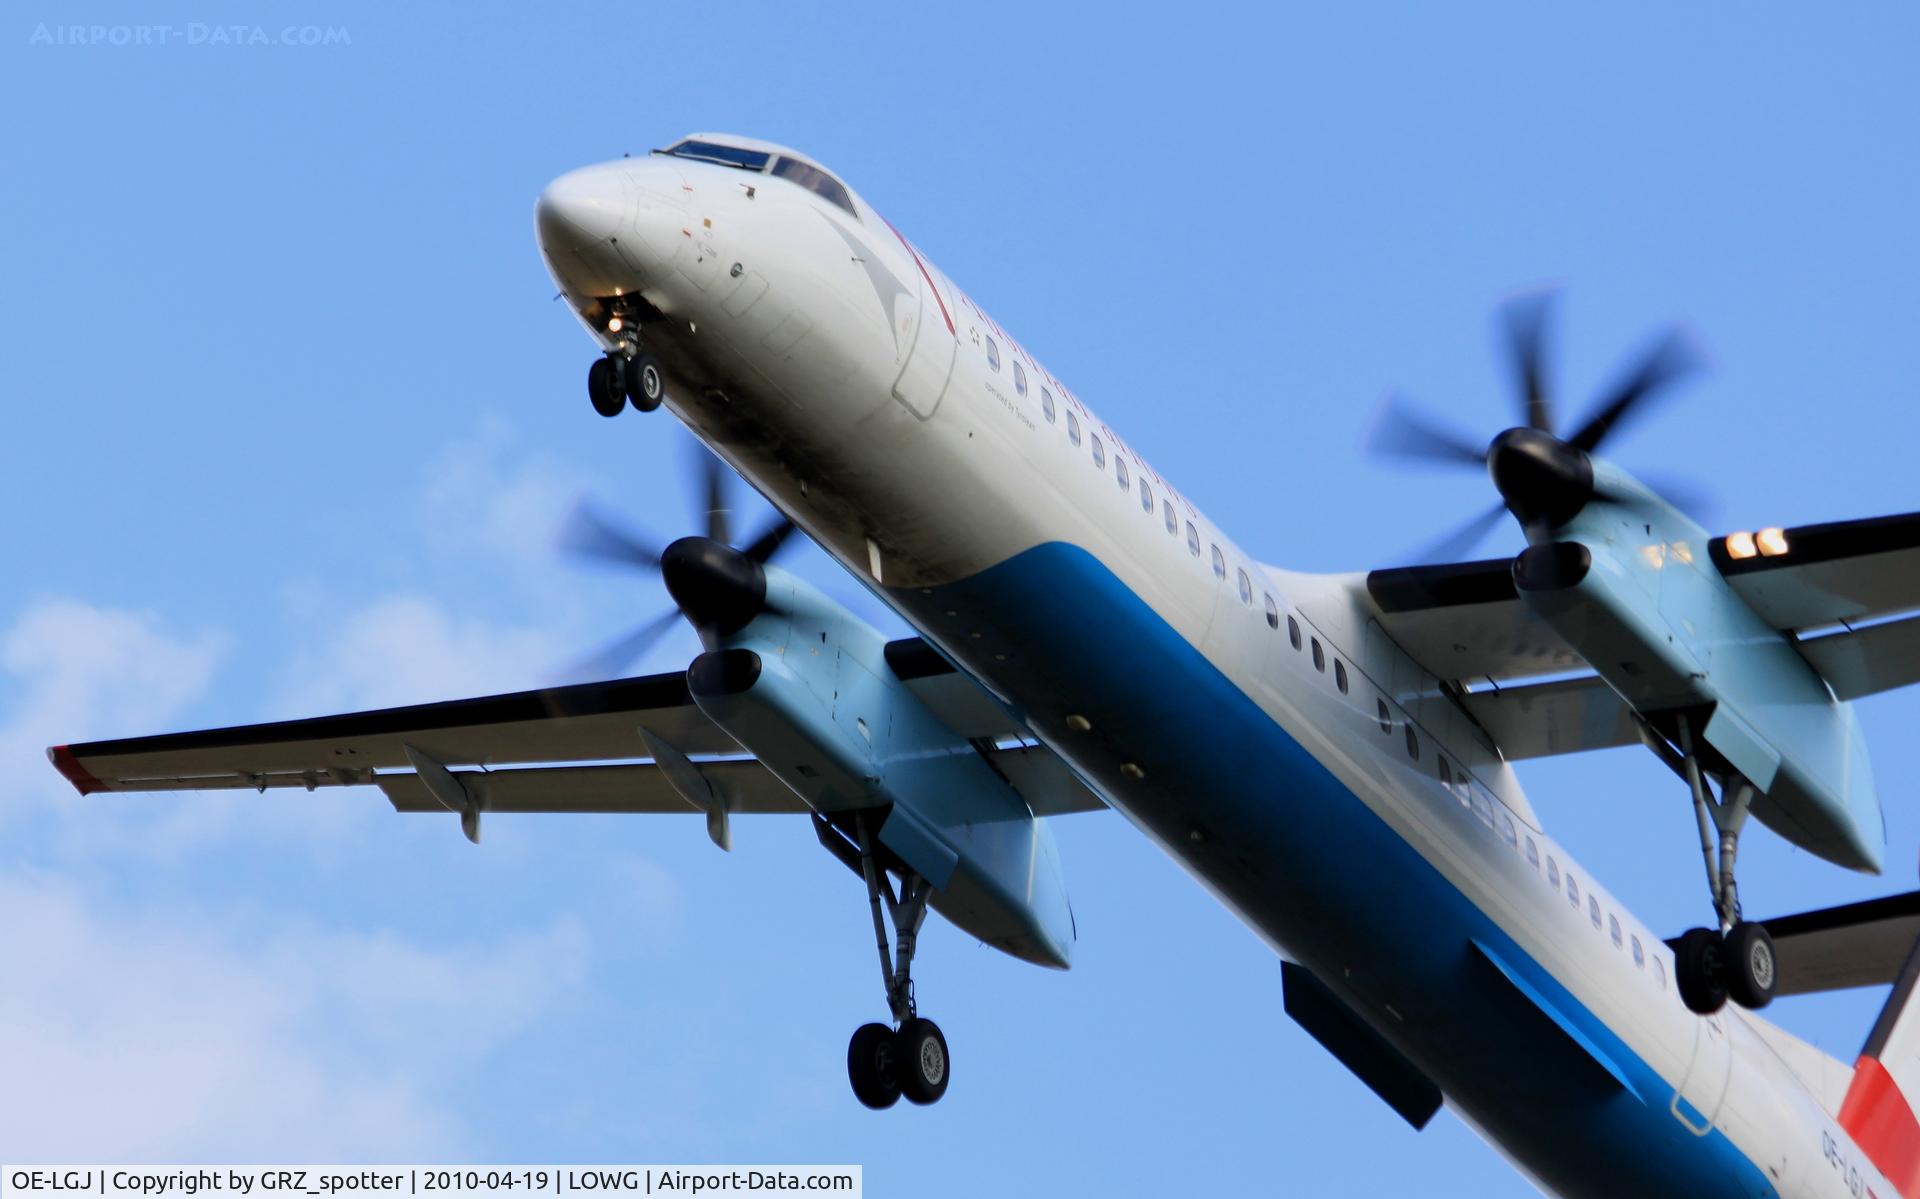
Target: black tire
[(1752, 970), (646, 382), (1699, 971), (870, 1066), (921, 1061), (606, 386)]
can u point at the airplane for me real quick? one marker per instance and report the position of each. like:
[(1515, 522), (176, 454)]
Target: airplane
[(1332, 756)]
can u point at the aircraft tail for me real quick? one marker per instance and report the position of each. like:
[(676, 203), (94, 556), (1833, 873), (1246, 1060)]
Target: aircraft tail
[(1882, 1101)]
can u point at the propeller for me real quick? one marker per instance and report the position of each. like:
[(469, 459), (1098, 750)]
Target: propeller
[(717, 586), (1544, 478)]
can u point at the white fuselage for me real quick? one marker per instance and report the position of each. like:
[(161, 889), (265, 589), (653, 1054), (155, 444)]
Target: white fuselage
[(805, 344)]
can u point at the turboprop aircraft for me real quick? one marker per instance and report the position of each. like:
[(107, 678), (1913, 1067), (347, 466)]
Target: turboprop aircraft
[(1333, 756)]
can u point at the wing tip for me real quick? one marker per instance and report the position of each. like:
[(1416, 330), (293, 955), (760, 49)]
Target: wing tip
[(63, 759)]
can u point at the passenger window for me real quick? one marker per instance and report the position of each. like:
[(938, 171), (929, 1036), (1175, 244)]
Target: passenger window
[(1019, 378), (1146, 496), (1193, 540), (1219, 563), (1639, 954), (1273, 613), (1073, 429), (1660, 971), (1386, 718), (1099, 451), (1293, 632), (1173, 522), (1246, 588), (1573, 891), (1120, 472), (1319, 656), (993, 354), (1483, 808), (1593, 909), (1413, 744), (1613, 929), (1553, 873), (1046, 404), (1340, 675), (1533, 854), (1446, 773), (1506, 829)]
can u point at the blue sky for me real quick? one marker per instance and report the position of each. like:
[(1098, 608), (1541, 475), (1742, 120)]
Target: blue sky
[(292, 417)]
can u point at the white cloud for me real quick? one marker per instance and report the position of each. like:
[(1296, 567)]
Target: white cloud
[(488, 493), (173, 1036), (410, 648), (82, 671)]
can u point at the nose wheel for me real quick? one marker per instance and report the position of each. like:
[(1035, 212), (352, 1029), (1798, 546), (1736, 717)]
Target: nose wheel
[(617, 378), (911, 1057)]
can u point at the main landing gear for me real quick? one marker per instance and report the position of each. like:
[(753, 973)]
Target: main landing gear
[(618, 377), (911, 1057), (1736, 960)]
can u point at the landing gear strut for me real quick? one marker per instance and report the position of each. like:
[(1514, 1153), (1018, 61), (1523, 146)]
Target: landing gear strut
[(1736, 960), (910, 1058)]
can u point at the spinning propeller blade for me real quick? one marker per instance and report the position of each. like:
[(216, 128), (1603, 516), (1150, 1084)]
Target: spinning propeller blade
[(1404, 431), (715, 585), (1671, 358), (1526, 318), (1543, 480)]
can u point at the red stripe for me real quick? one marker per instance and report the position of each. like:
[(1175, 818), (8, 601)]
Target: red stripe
[(1876, 1115), (924, 275), (68, 765)]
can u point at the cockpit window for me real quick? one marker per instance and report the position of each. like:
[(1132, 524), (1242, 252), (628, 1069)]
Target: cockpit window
[(726, 156), (816, 181)]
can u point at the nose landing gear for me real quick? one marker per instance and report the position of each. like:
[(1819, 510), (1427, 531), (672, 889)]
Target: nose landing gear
[(621, 376), (910, 1058)]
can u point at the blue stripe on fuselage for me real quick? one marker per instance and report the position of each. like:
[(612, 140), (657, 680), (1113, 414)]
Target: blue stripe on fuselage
[(1243, 805)]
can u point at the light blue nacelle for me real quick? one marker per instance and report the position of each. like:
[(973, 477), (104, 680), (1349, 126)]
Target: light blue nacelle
[(1628, 583), (806, 688)]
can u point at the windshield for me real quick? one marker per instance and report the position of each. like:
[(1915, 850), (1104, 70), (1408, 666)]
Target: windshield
[(727, 156), (816, 181)]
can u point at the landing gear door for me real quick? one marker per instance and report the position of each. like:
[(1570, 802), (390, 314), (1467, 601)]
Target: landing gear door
[(922, 329)]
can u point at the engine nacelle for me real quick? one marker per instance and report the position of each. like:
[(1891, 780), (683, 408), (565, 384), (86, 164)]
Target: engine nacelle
[(1631, 587), (806, 688)]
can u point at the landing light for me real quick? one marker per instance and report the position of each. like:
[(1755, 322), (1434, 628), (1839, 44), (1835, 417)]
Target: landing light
[(1772, 542), (1740, 545), (613, 324)]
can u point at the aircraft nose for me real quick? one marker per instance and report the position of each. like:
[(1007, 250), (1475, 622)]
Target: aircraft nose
[(582, 208)]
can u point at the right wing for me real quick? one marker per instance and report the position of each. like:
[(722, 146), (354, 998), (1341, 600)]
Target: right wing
[(567, 749), (592, 722)]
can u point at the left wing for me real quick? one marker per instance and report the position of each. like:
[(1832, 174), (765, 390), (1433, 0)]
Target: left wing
[(1465, 620), (1847, 590), (1855, 945), (1847, 594), (1814, 575)]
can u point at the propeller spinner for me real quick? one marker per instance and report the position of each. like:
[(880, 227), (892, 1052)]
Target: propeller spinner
[(1544, 479), (716, 586)]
